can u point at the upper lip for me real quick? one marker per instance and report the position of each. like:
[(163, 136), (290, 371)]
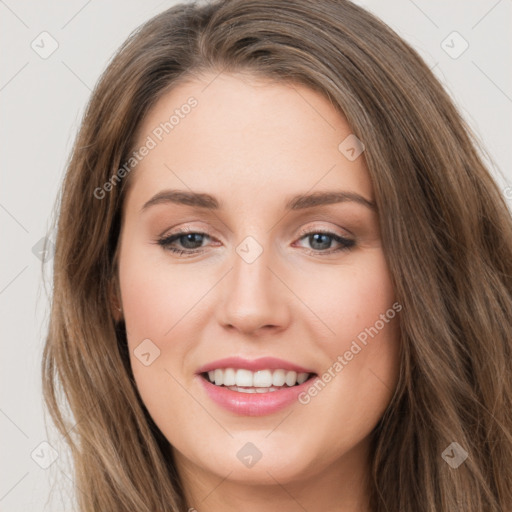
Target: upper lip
[(262, 363)]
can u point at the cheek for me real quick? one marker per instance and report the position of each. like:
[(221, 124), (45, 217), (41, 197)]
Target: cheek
[(160, 306), (155, 302), (154, 296), (361, 366), (350, 299)]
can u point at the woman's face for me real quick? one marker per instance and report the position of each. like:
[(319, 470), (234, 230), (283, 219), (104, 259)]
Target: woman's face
[(279, 280)]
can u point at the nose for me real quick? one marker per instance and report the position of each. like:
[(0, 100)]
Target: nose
[(254, 298)]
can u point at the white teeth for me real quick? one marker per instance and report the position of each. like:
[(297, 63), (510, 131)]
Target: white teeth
[(262, 380), (229, 377), (291, 378), (253, 390), (279, 378), (242, 377), (302, 377)]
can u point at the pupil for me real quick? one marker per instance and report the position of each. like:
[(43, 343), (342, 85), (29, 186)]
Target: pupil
[(315, 238), (190, 238)]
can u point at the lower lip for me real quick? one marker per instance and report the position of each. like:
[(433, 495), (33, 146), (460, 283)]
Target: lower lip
[(254, 404)]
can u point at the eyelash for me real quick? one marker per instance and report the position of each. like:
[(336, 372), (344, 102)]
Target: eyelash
[(346, 243)]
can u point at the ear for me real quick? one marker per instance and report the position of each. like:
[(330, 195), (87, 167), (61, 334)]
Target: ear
[(115, 299)]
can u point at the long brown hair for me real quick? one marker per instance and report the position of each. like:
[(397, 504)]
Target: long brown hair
[(447, 237)]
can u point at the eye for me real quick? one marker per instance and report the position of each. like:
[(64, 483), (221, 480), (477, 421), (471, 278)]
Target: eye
[(320, 240), (192, 242)]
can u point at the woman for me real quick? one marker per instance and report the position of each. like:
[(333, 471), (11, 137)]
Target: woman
[(283, 275)]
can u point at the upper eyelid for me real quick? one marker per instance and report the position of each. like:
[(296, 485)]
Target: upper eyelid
[(327, 230), (188, 229), (303, 233)]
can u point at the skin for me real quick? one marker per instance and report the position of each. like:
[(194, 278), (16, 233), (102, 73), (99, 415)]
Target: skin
[(252, 144)]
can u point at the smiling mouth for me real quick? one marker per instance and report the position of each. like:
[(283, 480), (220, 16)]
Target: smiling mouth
[(261, 381)]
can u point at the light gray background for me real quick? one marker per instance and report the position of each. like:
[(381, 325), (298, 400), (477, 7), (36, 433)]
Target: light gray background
[(41, 103)]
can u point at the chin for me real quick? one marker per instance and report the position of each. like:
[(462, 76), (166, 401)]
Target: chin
[(257, 462)]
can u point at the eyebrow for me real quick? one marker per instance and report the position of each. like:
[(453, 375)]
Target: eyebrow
[(298, 202)]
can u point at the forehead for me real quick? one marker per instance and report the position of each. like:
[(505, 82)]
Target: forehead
[(233, 133)]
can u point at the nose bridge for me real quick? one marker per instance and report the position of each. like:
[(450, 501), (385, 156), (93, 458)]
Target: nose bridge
[(253, 295), (251, 262)]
